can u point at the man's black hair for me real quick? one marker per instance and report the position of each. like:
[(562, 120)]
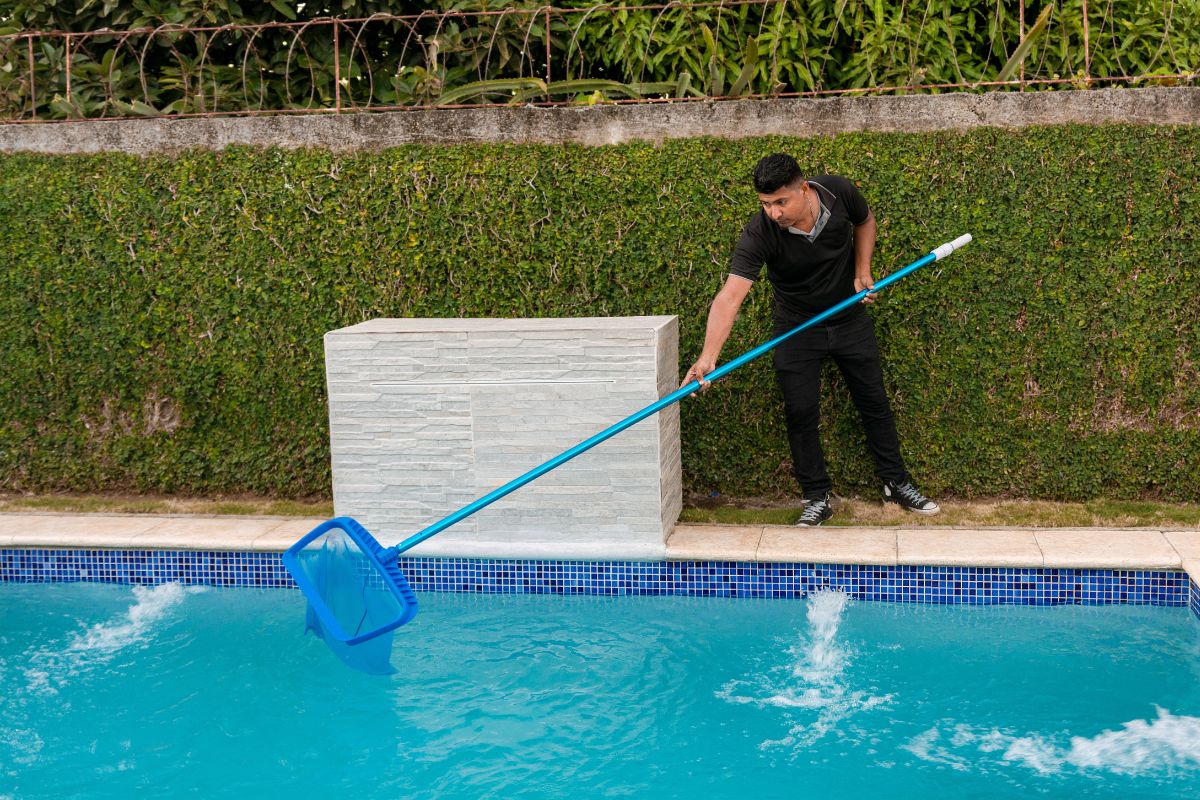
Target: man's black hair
[(774, 172)]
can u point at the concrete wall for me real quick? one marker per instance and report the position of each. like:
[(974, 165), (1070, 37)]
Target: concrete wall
[(428, 415), (613, 124)]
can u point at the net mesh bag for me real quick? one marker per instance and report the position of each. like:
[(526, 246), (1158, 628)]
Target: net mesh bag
[(357, 595)]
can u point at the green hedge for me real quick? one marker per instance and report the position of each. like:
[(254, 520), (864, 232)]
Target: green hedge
[(163, 316)]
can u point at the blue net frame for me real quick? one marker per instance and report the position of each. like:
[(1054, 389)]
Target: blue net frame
[(357, 595)]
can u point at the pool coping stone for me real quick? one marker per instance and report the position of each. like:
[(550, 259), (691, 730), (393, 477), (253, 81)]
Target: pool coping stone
[(1080, 548)]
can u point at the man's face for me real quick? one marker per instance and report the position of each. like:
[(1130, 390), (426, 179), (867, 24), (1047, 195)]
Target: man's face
[(787, 206)]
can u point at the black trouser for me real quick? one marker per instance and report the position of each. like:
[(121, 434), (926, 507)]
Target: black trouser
[(852, 346)]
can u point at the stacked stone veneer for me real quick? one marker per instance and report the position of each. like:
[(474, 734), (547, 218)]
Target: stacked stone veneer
[(428, 415)]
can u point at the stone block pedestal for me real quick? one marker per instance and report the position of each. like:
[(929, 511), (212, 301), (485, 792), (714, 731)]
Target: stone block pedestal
[(428, 415)]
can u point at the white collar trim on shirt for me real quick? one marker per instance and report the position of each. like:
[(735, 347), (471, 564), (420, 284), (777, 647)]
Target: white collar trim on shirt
[(822, 216)]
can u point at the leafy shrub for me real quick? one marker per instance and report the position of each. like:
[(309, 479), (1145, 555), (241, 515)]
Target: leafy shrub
[(163, 316), (204, 56)]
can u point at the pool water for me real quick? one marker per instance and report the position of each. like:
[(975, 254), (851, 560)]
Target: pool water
[(112, 691)]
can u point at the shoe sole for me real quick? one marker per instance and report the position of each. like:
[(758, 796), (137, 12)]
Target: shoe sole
[(937, 510)]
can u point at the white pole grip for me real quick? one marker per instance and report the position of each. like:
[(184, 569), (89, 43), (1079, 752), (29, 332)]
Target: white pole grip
[(949, 247)]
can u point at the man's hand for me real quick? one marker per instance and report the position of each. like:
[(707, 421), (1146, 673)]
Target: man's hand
[(865, 283), (697, 373), (864, 247)]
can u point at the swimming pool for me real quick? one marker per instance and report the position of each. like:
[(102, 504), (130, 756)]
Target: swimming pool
[(171, 690)]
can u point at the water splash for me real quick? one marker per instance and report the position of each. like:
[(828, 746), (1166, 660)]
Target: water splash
[(1158, 744), (1140, 747), (821, 660), (51, 665), (152, 604), (926, 746), (812, 680)]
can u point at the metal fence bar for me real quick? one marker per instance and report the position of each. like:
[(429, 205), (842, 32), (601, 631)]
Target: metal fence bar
[(404, 17), (337, 72), (815, 94), (68, 54), (1087, 47), (187, 95), (1021, 17), (32, 81)]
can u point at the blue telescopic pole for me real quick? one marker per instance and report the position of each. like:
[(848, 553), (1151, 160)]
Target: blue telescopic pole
[(936, 254)]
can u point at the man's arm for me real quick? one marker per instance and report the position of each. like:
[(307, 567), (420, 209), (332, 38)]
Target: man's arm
[(864, 248), (721, 316)]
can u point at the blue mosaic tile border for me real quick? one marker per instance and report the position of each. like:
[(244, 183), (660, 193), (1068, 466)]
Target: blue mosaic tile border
[(208, 568), (963, 585), (960, 585)]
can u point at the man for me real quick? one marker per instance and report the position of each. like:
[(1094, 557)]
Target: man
[(816, 237)]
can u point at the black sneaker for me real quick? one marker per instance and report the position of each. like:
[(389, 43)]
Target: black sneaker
[(815, 512), (907, 497)]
